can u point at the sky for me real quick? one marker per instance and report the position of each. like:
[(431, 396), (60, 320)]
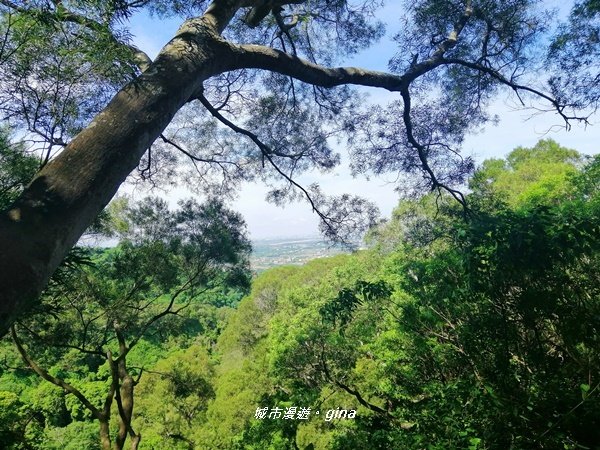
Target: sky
[(515, 128)]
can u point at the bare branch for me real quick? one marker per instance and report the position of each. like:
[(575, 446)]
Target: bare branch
[(284, 29), (175, 145)]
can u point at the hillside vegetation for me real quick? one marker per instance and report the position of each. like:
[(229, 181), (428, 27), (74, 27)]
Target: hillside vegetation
[(455, 329)]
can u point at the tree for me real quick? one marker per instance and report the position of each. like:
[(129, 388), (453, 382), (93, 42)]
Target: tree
[(501, 310), (98, 315), (271, 62), (460, 334), (173, 399), (540, 175)]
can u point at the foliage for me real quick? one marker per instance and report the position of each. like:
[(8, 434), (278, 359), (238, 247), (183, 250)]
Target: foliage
[(543, 174), (478, 334), (450, 334), (451, 331), (246, 91), (57, 71), (173, 398), (13, 418), (16, 169), (125, 303), (509, 309), (574, 54)]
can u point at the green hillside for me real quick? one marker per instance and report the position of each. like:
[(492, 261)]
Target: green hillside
[(472, 329)]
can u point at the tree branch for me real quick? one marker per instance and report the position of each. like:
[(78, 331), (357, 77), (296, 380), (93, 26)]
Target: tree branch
[(418, 69), (168, 309), (54, 380), (49, 342), (267, 153), (516, 87), (422, 152), (193, 157), (261, 9), (262, 57), (351, 391)]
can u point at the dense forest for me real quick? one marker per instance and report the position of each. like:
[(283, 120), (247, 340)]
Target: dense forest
[(456, 328)]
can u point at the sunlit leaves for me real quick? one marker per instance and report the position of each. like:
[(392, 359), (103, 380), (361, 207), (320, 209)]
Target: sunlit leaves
[(339, 311), (544, 174)]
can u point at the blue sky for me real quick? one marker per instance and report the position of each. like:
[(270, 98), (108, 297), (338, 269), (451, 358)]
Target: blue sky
[(516, 127)]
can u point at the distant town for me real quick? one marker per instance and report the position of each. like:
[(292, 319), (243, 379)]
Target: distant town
[(267, 253)]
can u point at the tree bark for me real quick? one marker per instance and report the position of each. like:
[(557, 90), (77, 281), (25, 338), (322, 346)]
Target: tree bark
[(105, 435), (68, 193), (126, 399), (124, 394)]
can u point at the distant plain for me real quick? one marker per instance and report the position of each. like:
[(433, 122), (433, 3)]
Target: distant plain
[(267, 253)]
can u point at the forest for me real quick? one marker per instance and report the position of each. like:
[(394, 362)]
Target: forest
[(469, 319), (447, 332)]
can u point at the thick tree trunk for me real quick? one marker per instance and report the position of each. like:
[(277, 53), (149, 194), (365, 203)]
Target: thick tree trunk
[(67, 194)]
